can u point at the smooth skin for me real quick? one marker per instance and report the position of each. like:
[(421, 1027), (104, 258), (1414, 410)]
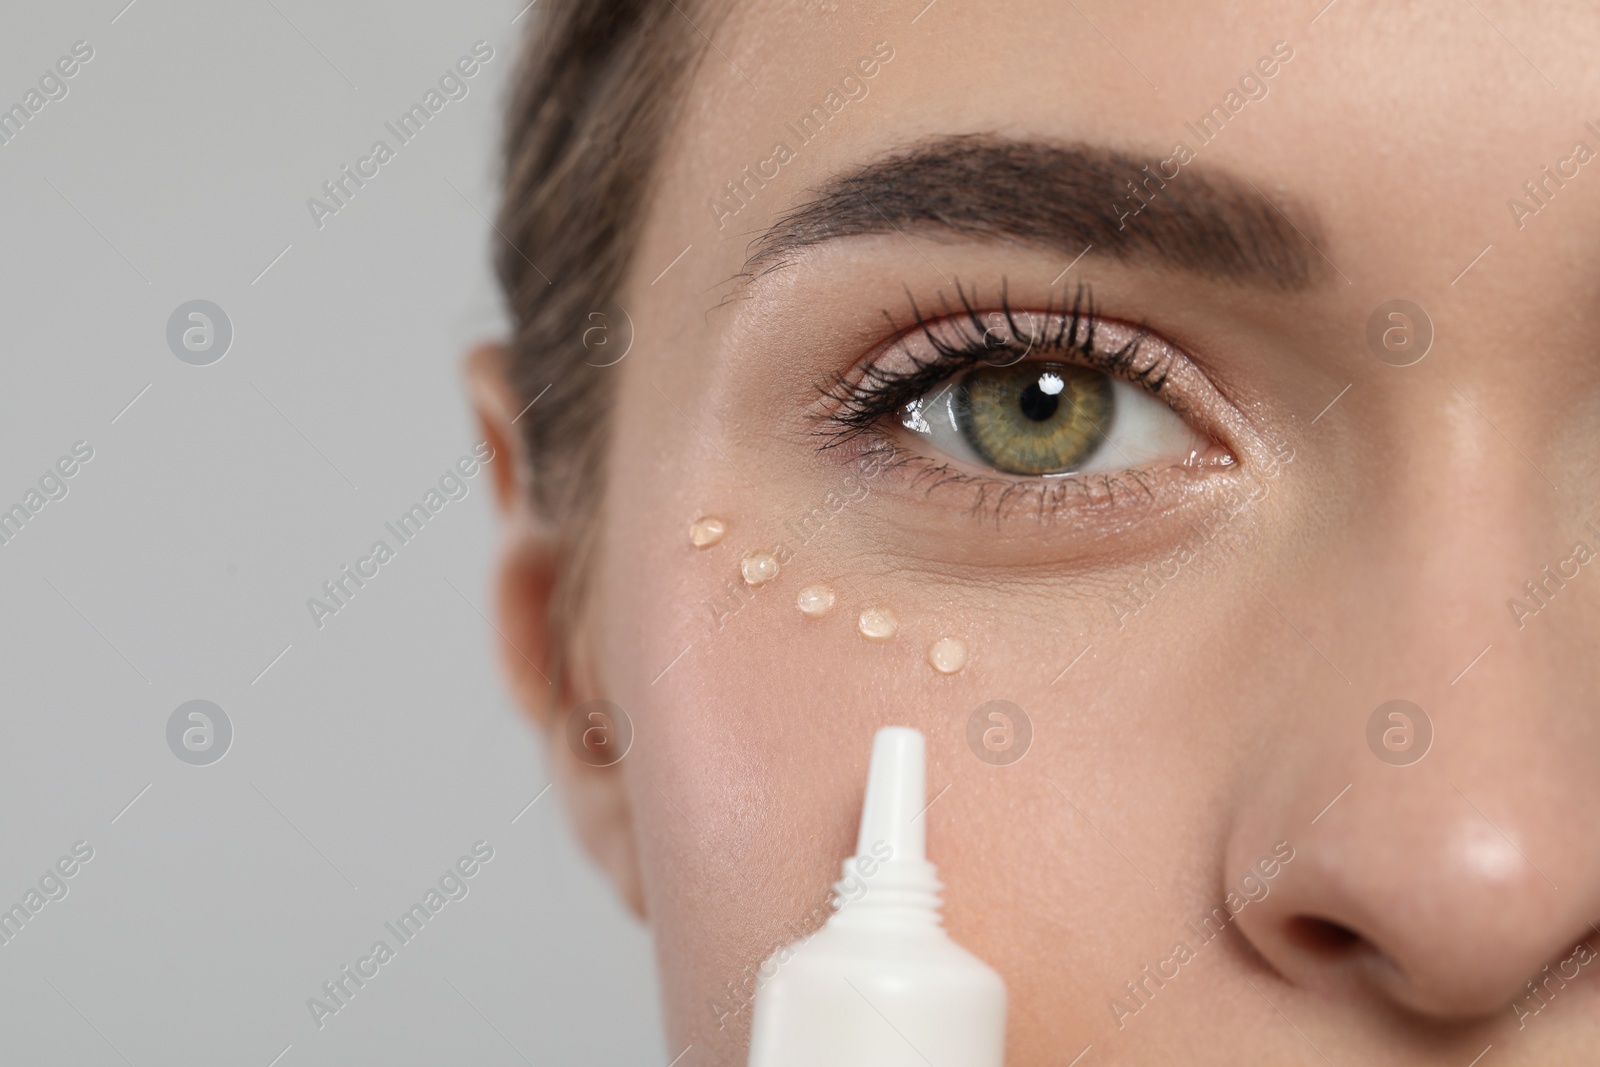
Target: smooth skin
[(1230, 713)]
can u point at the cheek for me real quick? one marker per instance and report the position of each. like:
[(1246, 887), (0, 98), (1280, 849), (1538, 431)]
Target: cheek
[(753, 724)]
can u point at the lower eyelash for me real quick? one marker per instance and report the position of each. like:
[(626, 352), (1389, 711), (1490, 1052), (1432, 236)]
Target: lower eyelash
[(998, 497)]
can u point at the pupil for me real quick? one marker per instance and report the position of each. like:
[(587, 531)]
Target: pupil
[(1037, 404)]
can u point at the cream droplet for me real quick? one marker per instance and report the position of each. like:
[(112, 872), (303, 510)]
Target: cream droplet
[(948, 655), (706, 531), (878, 624), (758, 568), (814, 601)]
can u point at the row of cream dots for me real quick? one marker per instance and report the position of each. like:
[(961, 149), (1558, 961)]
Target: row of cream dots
[(946, 655)]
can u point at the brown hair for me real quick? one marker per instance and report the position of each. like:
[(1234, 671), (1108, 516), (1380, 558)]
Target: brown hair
[(594, 98)]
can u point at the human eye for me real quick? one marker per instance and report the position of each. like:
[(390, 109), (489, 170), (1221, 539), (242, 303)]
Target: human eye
[(1014, 401), (1050, 419)]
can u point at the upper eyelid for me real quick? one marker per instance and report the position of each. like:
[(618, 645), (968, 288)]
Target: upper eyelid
[(950, 344)]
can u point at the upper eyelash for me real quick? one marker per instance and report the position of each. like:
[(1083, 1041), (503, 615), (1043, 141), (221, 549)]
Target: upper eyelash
[(855, 406)]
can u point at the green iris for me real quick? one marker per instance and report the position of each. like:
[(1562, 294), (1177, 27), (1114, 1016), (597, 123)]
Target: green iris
[(1034, 417)]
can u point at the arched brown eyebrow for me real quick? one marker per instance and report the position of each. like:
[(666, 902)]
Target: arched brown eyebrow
[(1061, 198)]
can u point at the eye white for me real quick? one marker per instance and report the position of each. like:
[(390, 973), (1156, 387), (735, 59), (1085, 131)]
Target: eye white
[(1144, 431)]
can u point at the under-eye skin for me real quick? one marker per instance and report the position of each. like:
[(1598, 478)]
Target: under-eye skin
[(1012, 401)]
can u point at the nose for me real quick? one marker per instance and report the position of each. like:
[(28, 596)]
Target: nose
[(1451, 877), (1417, 889)]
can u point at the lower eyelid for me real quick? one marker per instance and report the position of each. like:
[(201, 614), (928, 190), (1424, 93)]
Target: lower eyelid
[(992, 496)]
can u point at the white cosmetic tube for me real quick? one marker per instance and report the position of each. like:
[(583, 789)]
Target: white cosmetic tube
[(882, 984)]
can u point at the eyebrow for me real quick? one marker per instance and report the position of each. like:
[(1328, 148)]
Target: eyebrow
[(1066, 199)]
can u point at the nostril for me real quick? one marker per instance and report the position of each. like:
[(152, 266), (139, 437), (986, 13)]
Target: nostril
[(1321, 937)]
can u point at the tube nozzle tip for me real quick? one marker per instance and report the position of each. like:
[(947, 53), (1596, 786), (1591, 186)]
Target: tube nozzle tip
[(896, 794)]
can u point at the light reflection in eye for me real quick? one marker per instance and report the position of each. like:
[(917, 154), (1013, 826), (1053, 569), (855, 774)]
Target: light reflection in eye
[(911, 416)]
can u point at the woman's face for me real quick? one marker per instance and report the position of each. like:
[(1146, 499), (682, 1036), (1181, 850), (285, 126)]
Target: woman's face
[(1307, 501)]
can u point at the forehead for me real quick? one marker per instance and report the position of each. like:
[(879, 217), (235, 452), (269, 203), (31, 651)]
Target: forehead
[(1407, 127)]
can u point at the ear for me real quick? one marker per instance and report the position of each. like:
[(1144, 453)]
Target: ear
[(530, 562)]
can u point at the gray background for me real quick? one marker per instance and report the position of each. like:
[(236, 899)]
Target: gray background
[(375, 751)]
